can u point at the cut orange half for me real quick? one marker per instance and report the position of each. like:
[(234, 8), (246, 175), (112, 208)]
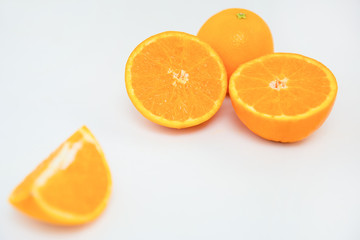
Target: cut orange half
[(283, 96), (72, 186), (175, 80)]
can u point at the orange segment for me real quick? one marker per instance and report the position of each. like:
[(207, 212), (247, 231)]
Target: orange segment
[(71, 186), (283, 96), (175, 80)]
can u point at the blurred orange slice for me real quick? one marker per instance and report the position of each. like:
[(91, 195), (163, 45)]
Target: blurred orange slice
[(72, 186)]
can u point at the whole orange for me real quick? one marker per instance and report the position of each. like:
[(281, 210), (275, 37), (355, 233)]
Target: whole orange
[(237, 35)]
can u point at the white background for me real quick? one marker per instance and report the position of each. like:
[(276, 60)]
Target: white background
[(62, 65)]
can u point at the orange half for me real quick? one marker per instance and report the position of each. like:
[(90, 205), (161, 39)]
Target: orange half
[(283, 96), (175, 80), (72, 186)]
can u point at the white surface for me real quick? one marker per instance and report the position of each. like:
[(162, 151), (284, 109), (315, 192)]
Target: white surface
[(62, 65)]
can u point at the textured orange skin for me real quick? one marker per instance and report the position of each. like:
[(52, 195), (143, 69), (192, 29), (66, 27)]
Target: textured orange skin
[(237, 40), (283, 130)]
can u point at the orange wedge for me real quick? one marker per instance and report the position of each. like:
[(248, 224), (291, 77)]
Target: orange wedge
[(175, 80), (72, 186), (283, 96)]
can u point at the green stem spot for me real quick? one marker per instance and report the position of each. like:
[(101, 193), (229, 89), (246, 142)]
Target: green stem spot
[(241, 15)]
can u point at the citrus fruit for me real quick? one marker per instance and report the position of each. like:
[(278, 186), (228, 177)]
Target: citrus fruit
[(283, 96), (70, 187), (237, 35), (175, 80)]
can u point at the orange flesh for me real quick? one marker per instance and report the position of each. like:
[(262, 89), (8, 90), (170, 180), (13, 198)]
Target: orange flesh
[(173, 78), (282, 86), (89, 190)]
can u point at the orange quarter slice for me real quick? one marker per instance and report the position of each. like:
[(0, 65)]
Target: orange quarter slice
[(175, 80), (72, 186), (283, 96)]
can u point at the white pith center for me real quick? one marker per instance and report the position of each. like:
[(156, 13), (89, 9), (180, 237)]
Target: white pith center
[(181, 76), (62, 161), (278, 84), (64, 158)]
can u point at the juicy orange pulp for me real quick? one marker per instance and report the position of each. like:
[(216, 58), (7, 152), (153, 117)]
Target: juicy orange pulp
[(175, 80), (283, 96)]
